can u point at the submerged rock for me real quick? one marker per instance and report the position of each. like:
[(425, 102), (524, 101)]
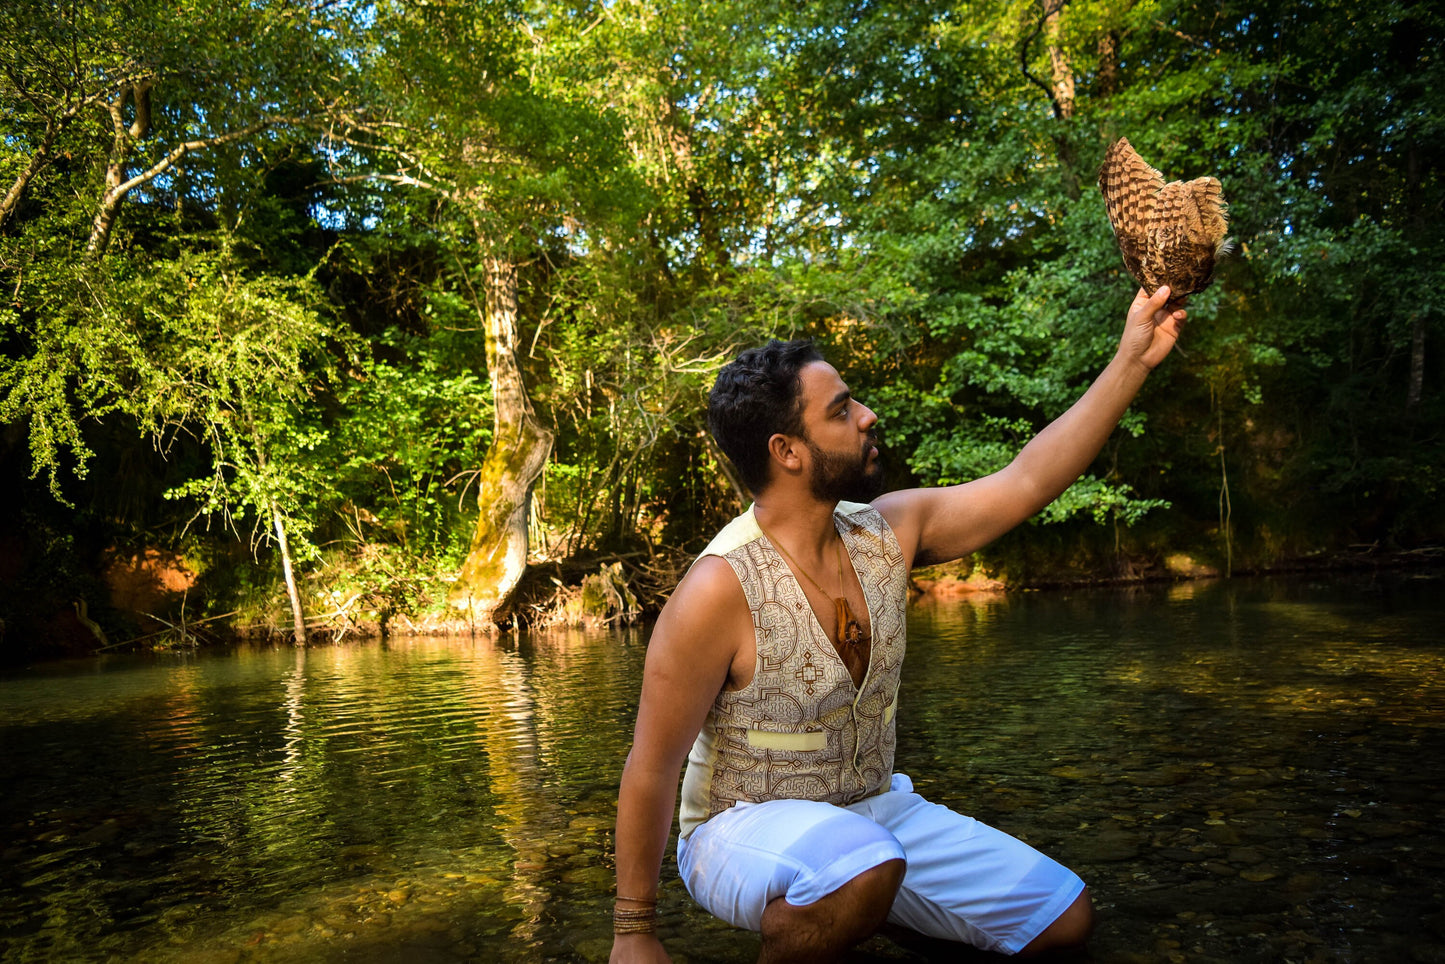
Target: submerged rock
[(1106, 847)]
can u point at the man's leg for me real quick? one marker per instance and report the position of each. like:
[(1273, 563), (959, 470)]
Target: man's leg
[(968, 882), (1069, 929), (821, 931)]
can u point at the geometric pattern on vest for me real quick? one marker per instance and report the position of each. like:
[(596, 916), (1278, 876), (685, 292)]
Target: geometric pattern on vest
[(800, 729)]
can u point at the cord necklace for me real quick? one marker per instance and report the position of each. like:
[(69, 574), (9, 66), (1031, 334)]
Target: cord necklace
[(848, 631)]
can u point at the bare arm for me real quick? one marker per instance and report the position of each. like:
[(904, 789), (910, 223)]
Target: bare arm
[(935, 525), (688, 661)]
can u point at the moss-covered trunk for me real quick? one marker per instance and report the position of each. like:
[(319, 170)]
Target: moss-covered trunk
[(520, 446)]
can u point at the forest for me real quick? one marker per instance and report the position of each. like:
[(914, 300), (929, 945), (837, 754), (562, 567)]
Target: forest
[(328, 317)]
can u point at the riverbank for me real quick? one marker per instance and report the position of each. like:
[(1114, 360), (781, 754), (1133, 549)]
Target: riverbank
[(1181, 566), (594, 591)]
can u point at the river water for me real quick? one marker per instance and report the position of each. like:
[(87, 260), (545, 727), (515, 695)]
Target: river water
[(1242, 771)]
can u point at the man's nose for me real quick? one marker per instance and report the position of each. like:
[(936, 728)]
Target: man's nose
[(868, 419)]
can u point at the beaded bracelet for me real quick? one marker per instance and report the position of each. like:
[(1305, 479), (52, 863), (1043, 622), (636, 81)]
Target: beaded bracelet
[(627, 920)]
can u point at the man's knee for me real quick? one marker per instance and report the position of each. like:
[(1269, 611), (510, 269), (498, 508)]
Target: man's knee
[(866, 897), (845, 916), (1070, 929), (877, 886), (823, 930)]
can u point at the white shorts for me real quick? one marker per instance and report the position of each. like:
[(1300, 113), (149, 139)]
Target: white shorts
[(965, 881)]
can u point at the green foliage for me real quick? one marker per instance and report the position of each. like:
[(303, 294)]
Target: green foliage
[(405, 431), (292, 313), (239, 360)]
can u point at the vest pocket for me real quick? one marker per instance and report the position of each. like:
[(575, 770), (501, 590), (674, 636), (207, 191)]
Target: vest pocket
[(793, 742)]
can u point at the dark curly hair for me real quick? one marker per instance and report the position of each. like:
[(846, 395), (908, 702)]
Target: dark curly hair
[(756, 396)]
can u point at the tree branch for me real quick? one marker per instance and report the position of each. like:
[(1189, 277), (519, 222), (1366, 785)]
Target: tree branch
[(114, 195), (164, 164), (1046, 9)]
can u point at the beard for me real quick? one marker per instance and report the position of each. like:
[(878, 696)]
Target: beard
[(837, 477)]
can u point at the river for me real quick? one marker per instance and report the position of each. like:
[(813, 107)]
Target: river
[(1242, 771)]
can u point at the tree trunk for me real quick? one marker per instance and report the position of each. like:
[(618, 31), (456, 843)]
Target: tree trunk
[(298, 618), (116, 186), (520, 446), (1059, 88), (1417, 363), (1108, 64), (1061, 92), (38, 160), (1061, 71), (79, 100)]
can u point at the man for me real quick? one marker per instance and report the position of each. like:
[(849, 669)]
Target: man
[(776, 660)]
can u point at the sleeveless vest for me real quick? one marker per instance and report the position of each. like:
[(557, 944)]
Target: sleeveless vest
[(800, 729)]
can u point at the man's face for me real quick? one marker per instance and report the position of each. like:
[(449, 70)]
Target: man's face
[(841, 434)]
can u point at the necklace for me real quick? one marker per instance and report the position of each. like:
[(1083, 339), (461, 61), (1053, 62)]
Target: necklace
[(848, 631)]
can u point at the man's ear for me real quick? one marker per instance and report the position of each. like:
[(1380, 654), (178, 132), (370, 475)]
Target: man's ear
[(786, 451)]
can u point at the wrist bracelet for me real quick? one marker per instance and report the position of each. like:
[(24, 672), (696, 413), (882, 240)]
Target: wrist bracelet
[(641, 920)]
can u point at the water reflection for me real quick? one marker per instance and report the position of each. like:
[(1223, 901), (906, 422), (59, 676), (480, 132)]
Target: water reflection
[(1241, 772)]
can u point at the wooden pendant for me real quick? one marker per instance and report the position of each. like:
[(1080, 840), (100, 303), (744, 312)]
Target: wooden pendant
[(849, 632)]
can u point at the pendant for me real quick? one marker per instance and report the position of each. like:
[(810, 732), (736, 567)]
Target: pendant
[(849, 632)]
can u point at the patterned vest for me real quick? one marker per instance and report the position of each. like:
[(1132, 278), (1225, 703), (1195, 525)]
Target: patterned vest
[(800, 729)]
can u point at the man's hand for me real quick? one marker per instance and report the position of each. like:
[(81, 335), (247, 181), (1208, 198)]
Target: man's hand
[(1151, 329), (638, 949)]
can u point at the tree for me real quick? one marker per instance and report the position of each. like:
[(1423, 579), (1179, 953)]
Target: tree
[(93, 332), (241, 358), (472, 106)]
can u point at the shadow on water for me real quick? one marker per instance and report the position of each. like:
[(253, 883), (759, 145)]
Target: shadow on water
[(1241, 771)]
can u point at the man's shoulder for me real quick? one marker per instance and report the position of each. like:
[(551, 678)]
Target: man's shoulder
[(711, 584), (707, 603)]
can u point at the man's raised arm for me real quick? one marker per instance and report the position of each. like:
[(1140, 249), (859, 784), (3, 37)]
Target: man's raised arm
[(936, 525), (689, 656)]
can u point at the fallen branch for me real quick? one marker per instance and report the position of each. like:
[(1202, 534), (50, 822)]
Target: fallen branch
[(160, 632)]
